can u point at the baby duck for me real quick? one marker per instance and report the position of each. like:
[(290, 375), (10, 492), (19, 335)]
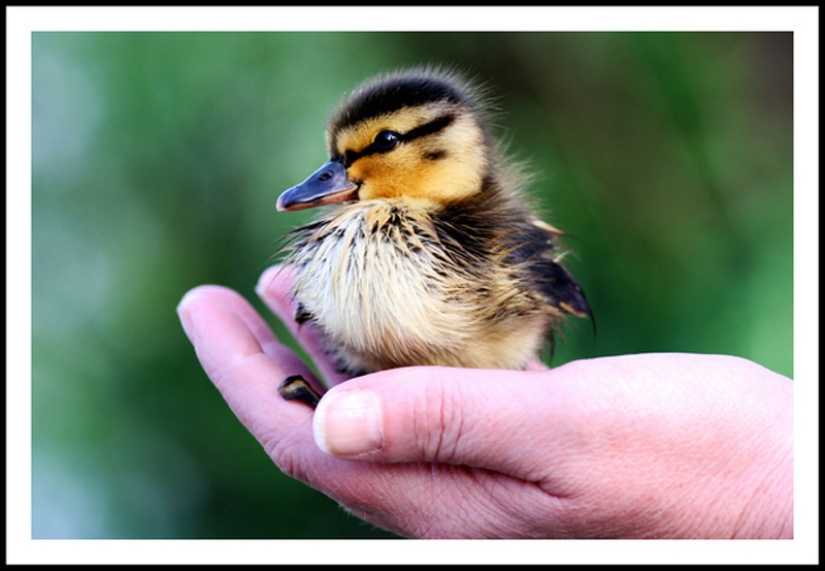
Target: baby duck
[(431, 255)]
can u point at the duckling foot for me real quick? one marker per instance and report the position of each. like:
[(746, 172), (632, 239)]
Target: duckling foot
[(296, 388)]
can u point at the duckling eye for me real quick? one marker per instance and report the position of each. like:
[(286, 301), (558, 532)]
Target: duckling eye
[(385, 140)]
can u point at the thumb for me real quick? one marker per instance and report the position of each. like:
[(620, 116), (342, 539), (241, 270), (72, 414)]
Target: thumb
[(479, 418)]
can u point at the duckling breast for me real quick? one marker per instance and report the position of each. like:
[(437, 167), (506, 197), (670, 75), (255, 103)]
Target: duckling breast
[(385, 291)]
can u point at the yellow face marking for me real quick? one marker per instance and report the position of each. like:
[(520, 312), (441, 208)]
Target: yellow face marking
[(434, 169)]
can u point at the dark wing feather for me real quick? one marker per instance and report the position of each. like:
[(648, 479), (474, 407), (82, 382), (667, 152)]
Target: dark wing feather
[(559, 287), (546, 275)]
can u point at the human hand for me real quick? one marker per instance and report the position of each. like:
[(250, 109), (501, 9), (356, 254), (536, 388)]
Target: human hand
[(653, 445)]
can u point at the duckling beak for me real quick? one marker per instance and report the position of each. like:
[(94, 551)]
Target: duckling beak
[(328, 184)]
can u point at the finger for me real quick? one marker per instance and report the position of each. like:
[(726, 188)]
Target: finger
[(274, 288), (236, 362), (234, 302), (536, 365), (495, 420), (227, 337)]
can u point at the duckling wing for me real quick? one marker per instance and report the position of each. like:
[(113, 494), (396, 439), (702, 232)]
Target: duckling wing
[(559, 287), (538, 254)]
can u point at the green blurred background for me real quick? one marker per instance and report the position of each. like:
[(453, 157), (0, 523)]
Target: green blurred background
[(156, 162)]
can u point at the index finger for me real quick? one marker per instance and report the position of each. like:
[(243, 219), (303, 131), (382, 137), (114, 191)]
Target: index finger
[(238, 352)]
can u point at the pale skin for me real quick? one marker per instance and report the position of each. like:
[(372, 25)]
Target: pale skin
[(649, 445)]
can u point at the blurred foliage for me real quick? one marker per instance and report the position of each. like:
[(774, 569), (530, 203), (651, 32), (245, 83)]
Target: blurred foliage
[(157, 159)]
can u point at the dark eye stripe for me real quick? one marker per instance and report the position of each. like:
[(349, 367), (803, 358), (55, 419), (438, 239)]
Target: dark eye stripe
[(433, 126), (430, 128)]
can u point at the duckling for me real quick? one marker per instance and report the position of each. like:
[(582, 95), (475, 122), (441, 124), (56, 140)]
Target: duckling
[(430, 253)]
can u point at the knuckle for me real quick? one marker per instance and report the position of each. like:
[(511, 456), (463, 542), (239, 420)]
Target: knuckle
[(287, 453), (438, 425)]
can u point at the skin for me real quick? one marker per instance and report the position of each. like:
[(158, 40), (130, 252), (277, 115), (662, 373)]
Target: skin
[(633, 446)]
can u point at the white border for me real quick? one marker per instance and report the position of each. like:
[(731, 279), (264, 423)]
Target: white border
[(803, 21), (405, 18)]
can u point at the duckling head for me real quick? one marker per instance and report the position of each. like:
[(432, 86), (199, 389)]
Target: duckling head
[(415, 136)]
